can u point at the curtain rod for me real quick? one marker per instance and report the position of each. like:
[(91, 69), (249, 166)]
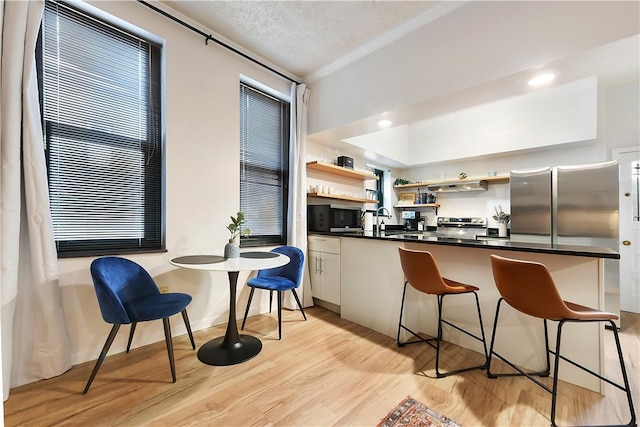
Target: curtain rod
[(208, 37)]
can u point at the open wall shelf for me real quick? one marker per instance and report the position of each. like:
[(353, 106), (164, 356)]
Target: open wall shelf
[(340, 197), (490, 179), (340, 171)]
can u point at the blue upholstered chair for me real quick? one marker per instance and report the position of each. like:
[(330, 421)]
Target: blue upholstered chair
[(127, 294), (280, 279)]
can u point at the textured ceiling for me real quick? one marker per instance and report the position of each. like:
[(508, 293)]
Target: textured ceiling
[(301, 37)]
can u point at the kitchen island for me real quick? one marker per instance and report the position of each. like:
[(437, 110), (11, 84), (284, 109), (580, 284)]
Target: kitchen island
[(372, 283)]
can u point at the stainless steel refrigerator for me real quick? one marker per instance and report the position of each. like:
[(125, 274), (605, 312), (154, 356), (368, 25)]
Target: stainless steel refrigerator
[(571, 205)]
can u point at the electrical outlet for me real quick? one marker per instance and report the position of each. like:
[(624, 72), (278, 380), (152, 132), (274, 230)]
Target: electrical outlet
[(164, 289)]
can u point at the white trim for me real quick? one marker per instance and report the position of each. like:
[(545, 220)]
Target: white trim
[(266, 89), (421, 20), (115, 21)]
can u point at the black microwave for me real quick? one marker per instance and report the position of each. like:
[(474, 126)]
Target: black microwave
[(334, 218)]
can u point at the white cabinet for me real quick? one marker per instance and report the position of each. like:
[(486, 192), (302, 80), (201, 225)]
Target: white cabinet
[(324, 268)]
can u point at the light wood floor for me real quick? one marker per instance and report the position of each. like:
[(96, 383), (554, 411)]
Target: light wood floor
[(326, 371)]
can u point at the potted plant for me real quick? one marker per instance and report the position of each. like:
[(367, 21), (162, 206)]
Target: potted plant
[(232, 249)]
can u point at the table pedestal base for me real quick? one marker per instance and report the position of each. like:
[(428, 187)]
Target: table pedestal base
[(217, 352)]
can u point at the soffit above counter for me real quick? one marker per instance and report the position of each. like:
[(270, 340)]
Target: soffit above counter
[(559, 115)]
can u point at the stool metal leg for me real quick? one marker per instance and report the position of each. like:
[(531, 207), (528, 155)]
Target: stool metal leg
[(558, 356), (623, 369), (483, 339), (438, 338), (401, 326), (520, 372)]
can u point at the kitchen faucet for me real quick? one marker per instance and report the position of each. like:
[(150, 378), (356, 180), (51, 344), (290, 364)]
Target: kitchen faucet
[(381, 208)]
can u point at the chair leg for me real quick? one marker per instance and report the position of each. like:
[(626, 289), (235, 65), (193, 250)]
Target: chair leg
[(133, 329), (558, 356), (481, 339), (188, 326), (484, 338), (167, 338), (279, 296), (401, 326), (439, 338), (554, 390), (520, 372), (623, 369), (546, 372), (246, 311), (270, 300), (404, 291), (493, 339), (295, 295), (103, 354)]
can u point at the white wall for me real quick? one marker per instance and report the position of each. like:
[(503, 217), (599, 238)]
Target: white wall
[(202, 184), (478, 43)]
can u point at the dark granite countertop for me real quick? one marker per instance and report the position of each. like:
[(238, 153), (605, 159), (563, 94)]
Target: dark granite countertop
[(485, 243)]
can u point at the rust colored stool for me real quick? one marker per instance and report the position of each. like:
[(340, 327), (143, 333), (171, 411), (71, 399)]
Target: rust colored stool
[(421, 271), (529, 288)]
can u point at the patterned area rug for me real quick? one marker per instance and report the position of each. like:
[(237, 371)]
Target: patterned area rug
[(410, 413)]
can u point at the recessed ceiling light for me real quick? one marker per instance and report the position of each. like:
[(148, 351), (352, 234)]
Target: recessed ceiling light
[(542, 79), (385, 123)]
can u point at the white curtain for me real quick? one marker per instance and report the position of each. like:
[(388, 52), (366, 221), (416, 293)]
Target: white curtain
[(34, 337), (298, 183)]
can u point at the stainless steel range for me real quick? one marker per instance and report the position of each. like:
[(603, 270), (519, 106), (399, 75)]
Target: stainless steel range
[(461, 228)]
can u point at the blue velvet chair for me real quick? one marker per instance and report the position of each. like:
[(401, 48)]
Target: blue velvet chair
[(280, 279), (127, 294)]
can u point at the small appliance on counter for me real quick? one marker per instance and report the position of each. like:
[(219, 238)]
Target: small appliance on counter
[(411, 220), (345, 162)]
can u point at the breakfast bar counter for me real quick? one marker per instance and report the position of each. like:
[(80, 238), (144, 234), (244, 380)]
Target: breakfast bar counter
[(372, 283), (491, 243)]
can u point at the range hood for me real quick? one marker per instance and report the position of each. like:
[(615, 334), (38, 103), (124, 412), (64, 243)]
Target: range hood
[(458, 186)]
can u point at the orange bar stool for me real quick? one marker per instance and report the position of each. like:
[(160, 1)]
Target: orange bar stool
[(421, 271), (529, 288)]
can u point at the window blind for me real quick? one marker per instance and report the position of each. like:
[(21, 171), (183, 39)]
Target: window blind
[(102, 119), (264, 166)]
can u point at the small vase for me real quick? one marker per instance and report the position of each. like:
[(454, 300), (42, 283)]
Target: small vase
[(232, 249), (502, 229)]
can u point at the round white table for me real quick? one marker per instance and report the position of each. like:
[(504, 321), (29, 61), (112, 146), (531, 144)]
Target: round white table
[(233, 348)]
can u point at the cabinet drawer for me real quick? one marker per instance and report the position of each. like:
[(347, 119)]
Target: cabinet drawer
[(324, 244)]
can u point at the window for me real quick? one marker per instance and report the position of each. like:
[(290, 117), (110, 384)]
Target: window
[(264, 166), (101, 109), (380, 185)]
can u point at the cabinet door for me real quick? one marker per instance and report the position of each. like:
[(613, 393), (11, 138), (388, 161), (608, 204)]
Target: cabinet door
[(314, 273), (330, 278)]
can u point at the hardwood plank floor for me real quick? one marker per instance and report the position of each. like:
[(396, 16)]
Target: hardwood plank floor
[(325, 371)]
